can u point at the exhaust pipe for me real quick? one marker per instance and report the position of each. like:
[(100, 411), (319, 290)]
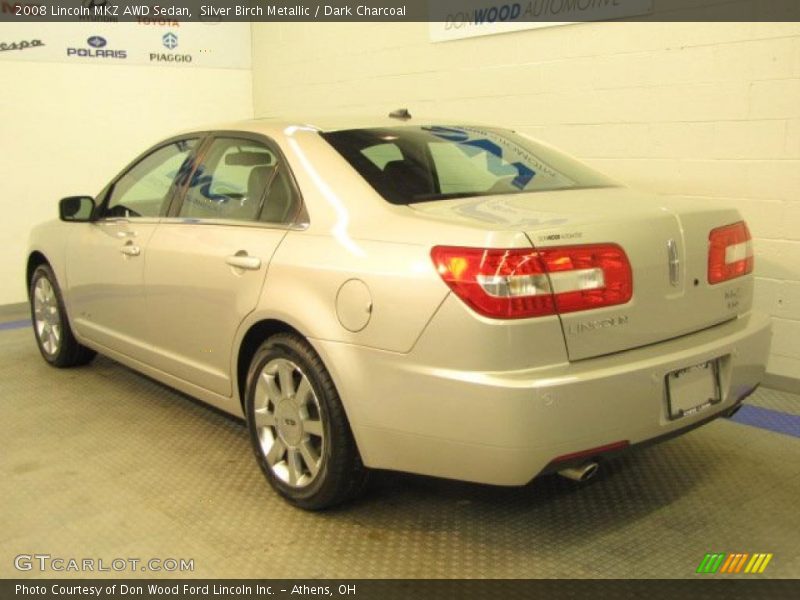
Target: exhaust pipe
[(580, 473)]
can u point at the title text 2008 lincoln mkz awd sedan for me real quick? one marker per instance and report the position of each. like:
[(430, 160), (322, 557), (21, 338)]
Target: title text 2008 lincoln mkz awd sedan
[(457, 301)]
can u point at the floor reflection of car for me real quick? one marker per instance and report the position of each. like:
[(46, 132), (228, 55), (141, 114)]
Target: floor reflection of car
[(444, 299)]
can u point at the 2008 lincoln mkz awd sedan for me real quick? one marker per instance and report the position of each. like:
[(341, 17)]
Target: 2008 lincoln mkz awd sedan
[(457, 301)]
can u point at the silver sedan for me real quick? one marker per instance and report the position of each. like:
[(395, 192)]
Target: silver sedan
[(446, 299)]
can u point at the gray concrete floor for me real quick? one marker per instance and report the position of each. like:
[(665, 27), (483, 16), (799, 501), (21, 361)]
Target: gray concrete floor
[(102, 462)]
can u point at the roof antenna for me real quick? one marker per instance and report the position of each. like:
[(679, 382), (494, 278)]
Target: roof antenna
[(400, 113)]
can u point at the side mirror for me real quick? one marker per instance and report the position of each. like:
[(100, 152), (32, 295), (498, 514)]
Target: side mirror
[(76, 208)]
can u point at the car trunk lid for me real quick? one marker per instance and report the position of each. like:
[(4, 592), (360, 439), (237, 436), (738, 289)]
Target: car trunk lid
[(665, 240)]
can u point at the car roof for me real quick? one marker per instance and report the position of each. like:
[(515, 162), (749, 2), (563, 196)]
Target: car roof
[(272, 125)]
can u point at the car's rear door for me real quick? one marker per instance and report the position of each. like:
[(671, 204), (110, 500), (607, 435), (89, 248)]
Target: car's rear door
[(207, 260), (106, 257)]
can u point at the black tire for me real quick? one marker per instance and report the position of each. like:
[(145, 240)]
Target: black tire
[(67, 352), (340, 475)]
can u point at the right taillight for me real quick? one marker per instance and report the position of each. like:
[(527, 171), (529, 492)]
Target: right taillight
[(730, 252), (519, 283)]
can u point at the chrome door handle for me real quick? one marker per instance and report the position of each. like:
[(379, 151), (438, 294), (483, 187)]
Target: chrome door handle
[(242, 261), (130, 250)]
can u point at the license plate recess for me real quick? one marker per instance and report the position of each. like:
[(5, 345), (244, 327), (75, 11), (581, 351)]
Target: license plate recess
[(693, 389)]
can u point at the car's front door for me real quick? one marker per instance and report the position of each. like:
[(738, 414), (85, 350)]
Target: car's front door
[(207, 261), (106, 257)]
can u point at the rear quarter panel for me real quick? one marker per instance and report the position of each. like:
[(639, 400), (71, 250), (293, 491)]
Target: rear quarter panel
[(308, 271)]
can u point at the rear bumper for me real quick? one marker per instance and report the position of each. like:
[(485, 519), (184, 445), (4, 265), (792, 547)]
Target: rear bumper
[(602, 454), (504, 428)]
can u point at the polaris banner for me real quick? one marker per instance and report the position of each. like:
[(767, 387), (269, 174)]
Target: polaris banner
[(146, 41), (472, 18)]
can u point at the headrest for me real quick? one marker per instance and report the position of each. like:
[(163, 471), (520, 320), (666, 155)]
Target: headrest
[(249, 159)]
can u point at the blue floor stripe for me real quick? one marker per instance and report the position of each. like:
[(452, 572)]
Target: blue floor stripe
[(15, 324), (772, 420)]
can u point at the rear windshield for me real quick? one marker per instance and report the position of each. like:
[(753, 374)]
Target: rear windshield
[(418, 164)]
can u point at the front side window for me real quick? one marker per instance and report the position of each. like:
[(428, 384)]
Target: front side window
[(144, 190), (239, 180), (418, 164)]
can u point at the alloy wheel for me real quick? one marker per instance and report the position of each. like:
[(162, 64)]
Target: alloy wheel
[(288, 423), (47, 317)]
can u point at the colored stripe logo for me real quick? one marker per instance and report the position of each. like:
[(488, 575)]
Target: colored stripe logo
[(736, 562)]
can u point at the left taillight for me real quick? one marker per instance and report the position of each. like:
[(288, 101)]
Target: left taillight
[(730, 252), (519, 283)]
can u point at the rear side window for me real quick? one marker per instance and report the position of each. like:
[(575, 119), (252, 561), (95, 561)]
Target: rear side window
[(239, 180), (416, 164)]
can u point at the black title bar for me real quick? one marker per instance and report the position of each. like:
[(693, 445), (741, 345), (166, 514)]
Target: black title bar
[(706, 587), (474, 11)]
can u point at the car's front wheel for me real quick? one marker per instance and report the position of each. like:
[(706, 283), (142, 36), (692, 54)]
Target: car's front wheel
[(50, 324), (298, 428)]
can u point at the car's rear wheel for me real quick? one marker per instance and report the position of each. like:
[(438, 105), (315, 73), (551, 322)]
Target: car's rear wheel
[(54, 337), (298, 427)]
